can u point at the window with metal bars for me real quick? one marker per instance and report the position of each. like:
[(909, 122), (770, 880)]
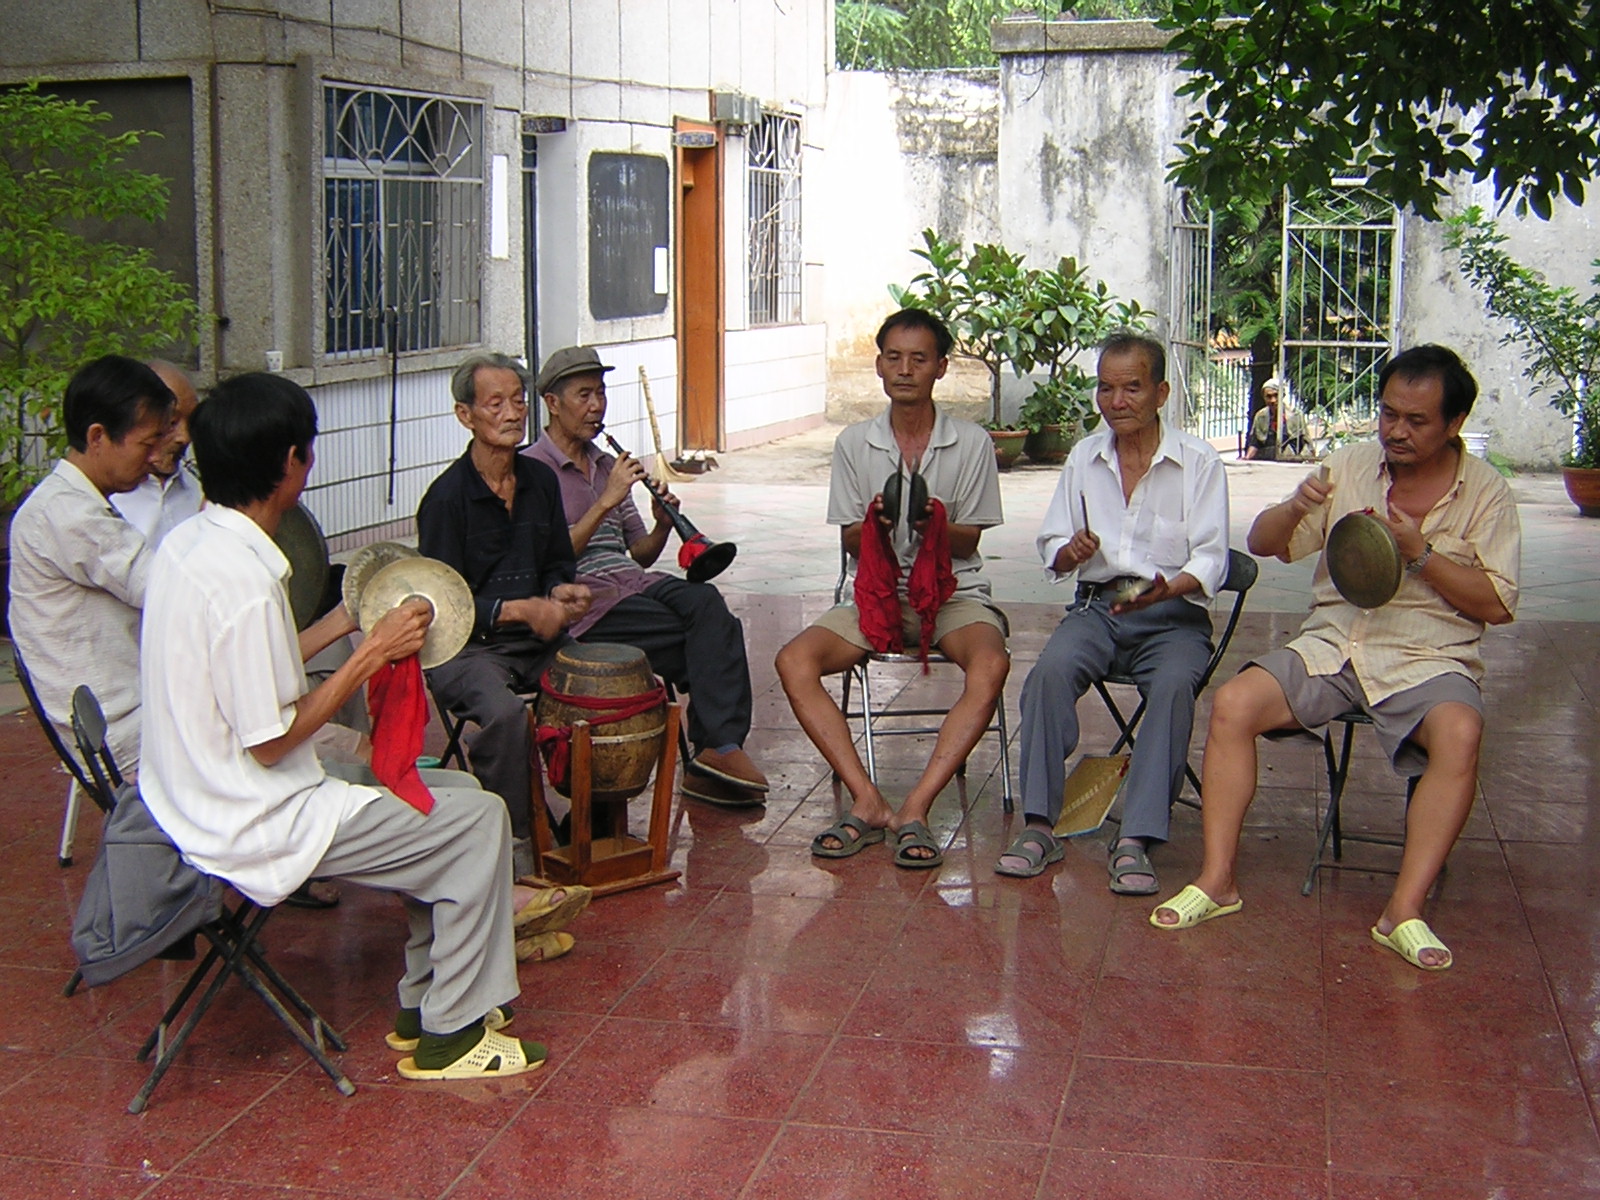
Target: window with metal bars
[(402, 257), (774, 171)]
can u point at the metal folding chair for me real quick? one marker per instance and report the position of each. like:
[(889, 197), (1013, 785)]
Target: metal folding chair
[(1242, 572), (81, 784), (869, 717), (234, 945), (1329, 827)]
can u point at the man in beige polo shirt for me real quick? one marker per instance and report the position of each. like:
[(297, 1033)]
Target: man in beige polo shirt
[(1412, 665)]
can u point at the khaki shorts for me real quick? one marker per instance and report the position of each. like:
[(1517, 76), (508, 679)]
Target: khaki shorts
[(1317, 699), (956, 613)]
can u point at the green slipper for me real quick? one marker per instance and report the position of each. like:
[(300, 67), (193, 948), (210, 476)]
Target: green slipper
[(914, 835), (853, 835), (1036, 848)]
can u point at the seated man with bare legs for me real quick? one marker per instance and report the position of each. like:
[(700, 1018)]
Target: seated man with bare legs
[(1411, 665), (956, 460)]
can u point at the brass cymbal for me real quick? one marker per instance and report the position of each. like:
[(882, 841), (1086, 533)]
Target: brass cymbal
[(300, 538), (364, 564), (438, 584), (1364, 560)]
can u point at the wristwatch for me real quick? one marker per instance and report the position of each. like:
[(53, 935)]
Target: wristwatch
[(1414, 567)]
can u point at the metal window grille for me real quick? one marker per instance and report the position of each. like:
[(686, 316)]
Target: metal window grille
[(403, 220), (774, 149)]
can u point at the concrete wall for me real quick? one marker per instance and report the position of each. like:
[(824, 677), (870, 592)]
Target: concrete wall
[(907, 151), (1089, 120), (619, 72)]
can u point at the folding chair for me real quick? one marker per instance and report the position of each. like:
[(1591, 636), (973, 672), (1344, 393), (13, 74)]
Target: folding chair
[(1329, 826), (1242, 572), (233, 935), (870, 717), (80, 785)]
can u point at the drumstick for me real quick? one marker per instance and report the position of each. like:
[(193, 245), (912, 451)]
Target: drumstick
[(1083, 501)]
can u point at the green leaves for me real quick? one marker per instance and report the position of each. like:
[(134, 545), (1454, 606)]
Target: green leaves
[(67, 295), (1004, 313), (1558, 330), (1504, 90), (888, 35)]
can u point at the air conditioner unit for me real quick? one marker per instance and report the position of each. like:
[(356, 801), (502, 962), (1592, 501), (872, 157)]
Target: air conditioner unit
[(728, 108)]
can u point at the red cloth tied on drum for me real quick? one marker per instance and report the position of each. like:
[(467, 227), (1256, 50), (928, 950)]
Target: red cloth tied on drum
[(399, 709), (930, 583), (555, 742)]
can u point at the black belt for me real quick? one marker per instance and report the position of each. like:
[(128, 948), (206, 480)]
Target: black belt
[(1088, 590)]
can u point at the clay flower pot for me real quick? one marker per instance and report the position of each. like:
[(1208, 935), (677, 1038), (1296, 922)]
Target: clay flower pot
[(1583, 488)]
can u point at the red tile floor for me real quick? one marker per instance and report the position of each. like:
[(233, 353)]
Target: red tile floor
[(775, 1026)]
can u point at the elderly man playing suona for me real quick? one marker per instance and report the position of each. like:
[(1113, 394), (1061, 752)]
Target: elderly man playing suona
[(495, 516), (78, 570), (1412, 665), (685, 628), (956, 459), (1141, 515), (230, 774)]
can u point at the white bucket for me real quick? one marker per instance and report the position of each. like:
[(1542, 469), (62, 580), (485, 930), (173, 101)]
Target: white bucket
[(1477, 443)]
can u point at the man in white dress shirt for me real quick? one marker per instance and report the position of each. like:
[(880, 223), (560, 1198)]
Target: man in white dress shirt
[(170, 494), (229, 770), (1140, 505), (78, 570)]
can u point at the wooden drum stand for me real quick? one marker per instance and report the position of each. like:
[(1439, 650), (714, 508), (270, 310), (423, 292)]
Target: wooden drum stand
[(616, 862)]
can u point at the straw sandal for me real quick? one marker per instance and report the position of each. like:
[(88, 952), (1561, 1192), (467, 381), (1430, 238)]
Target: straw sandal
[(544, 913), (543, 947)]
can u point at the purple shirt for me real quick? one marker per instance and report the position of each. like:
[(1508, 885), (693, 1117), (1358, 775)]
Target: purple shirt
[(605, 564)]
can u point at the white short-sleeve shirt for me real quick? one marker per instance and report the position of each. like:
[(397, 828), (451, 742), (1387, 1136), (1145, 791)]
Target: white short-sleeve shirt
[(960, 469), (222, 672)]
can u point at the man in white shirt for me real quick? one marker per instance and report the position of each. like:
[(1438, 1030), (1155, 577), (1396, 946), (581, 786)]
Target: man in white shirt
[(170, 494), (78, 570), (229, 770), (1141, 514)]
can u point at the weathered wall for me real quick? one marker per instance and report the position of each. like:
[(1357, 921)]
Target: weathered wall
[(1089, 120), (619, 72), (907, 151)]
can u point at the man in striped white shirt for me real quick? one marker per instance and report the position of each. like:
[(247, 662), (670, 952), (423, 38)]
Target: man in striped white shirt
[(1411, 665)]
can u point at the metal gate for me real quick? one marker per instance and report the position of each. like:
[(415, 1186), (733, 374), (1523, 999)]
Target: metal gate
[(1211, 387), (1339, 310)]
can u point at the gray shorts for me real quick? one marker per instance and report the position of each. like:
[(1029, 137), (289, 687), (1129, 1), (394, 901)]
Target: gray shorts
[(956, 612), (1317, 699)]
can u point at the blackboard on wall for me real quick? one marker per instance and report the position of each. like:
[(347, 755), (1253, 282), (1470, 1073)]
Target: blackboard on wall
[(629, 210)]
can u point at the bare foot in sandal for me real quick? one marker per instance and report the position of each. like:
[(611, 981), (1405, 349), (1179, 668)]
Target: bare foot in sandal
[(870, 810)]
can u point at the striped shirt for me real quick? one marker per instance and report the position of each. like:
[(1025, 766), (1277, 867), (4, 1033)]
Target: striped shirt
[(1417, 636)]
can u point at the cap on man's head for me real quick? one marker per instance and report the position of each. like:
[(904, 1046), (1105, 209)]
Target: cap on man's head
[(1274, 385), (567, 362)]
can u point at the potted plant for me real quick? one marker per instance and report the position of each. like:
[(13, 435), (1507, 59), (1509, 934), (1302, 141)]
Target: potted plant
[(1558, 330), (1003, 313), (1009, 442)]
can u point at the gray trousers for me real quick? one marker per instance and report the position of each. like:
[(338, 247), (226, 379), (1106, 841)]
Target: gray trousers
[(691, 639), (482, 683), (453, 870), (1165, 648)]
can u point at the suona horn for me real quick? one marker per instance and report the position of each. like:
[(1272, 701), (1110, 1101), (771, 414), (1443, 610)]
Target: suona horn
[(700, 557)]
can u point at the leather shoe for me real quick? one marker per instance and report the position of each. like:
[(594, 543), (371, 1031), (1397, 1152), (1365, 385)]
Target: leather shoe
[(735, 767)]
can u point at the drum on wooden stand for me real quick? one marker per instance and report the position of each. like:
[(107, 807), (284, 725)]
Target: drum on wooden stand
[(604, 727)]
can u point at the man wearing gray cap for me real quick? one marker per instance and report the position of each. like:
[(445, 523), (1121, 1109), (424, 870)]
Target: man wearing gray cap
[(684, 628), (495, 516)]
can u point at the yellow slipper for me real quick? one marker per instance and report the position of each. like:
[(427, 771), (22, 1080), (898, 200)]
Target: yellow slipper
[(542, 947), (1193, 906), (494, 1057), (1410, 939), (497, 1017), (545, 912)]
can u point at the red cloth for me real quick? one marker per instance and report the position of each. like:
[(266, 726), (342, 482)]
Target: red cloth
[(555, 741), (930, 584), (399, 709)]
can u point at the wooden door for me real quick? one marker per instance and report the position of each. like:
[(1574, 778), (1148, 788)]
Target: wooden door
[(700, 306)]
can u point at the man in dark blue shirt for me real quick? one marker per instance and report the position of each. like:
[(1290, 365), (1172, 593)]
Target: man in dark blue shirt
[(496, 517)]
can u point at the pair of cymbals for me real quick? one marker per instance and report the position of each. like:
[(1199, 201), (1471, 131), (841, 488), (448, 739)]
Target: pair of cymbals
[(384, 575)]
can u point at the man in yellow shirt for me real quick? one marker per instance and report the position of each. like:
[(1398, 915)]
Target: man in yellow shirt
[(1412, 665)]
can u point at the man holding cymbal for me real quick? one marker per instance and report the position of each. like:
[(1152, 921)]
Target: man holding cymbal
[(1412, 664)]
